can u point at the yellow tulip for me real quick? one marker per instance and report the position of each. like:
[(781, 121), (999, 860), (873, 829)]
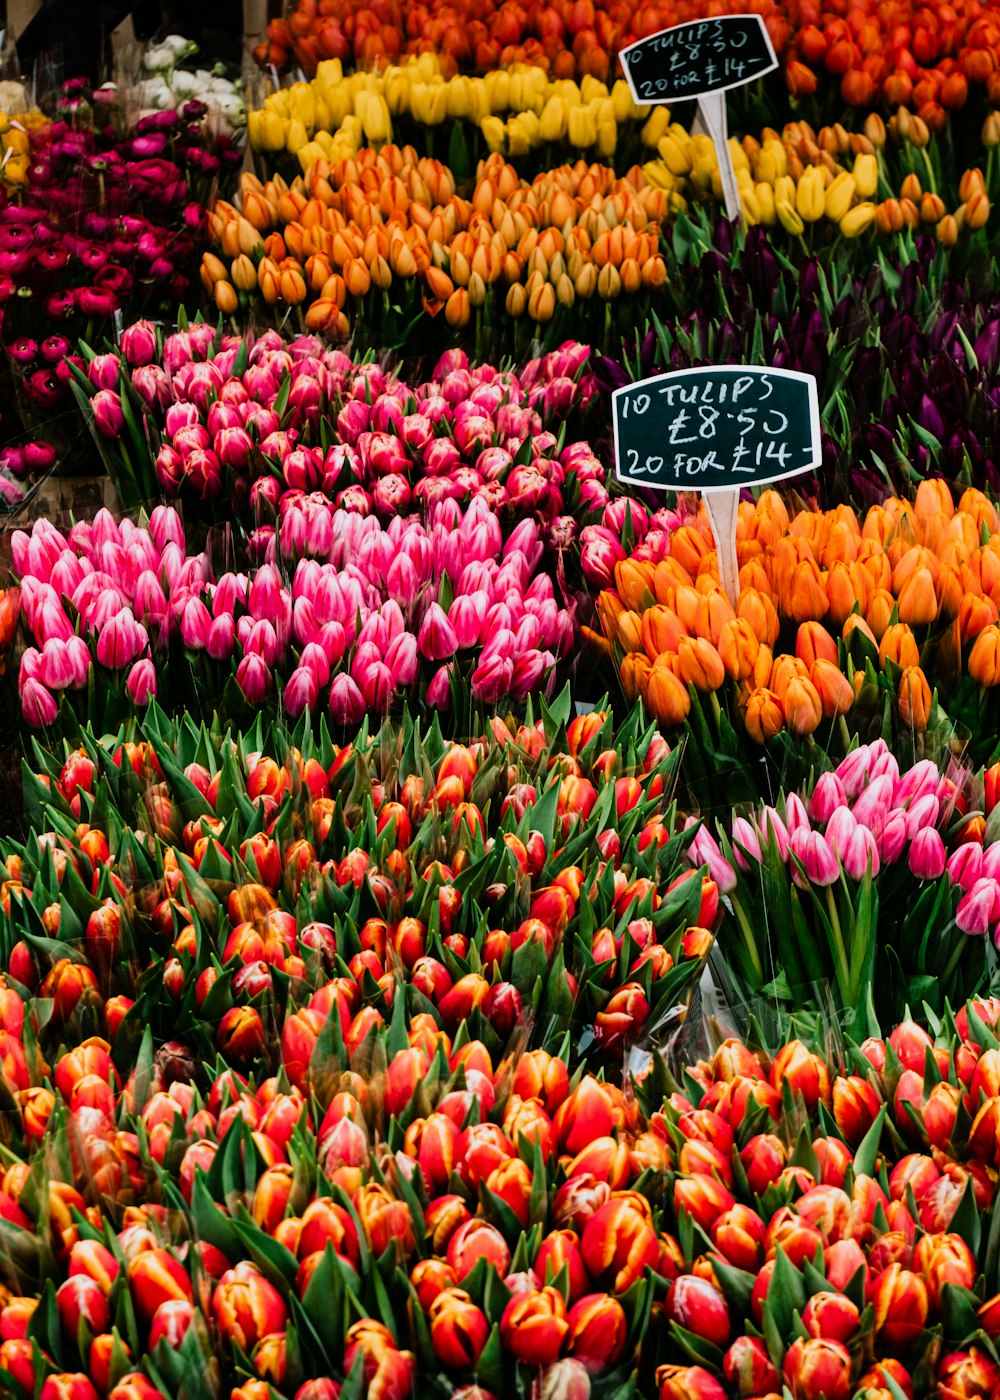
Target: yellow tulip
[(856, 220), (553, 120), (494, 133), (675, 156), (839, 196), (866, 175), (581, 127), (789, 217), (765, 202), (607, 139), (656, 126)]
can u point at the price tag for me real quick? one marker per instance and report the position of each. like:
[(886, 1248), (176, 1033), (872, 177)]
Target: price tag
[(702, 60), (717, 430)]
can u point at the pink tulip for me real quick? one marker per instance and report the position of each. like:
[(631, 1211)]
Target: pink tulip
[(745, 842), (103, 371), (438, 693), (860, 855), (38, 705), (796, 816), (221, 639), (121, 640), (301, 691), (892, 839), (403, 660), (333, 640), (436, 638), (347, 704), (853, 771), (923, 812), (139, 344), (827, 796), (491, 679), (820, 866), (871, 809), (109, 419), (165, 526), (839, 830), (141, 682), (234, 448), (530, 668), (704, 850), (195, 624), (313, 658), (253, 676), (965, 865), (152, 384), (979, 908), (921, 779), (772, 828), (467, 616), (926, 856)]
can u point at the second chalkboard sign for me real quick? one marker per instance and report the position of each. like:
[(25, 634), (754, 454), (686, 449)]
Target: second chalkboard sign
[(715, 429), (692, 60)]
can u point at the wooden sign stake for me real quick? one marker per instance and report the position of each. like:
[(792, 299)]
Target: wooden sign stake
[(723, 513), (712, 120)]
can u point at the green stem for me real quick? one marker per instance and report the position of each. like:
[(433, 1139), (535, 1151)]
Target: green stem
[(748, 938), (716, 712), (843, 972), (953, 962)]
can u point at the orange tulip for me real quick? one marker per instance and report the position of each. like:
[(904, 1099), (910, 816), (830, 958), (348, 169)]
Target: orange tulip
[(739, 648), (764, 716), (700, 664), (833, 687), (975, 612), (802, 705), (917, 601), (812, 642), (661, 630), (635, 581), (806, 596), (914, 699), (899, 646), (984, 659), (667, 696), (880, 610)]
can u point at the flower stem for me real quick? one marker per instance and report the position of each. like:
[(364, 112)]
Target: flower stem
[(843, 973)]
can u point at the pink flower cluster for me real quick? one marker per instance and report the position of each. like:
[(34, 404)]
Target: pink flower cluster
[(391, 612), (862, 818)]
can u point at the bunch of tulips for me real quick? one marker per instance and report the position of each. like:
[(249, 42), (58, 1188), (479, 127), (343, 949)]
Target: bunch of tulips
[(382, 246), (399, 1206), (905, 351), (445, 611), (839, 628), (930, 57), (512, 111), (206, 415), (869, 891), (536, 875)]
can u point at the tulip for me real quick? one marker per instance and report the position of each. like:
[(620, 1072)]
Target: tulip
[(597, 1331), (818, 1367), (534, 1326)]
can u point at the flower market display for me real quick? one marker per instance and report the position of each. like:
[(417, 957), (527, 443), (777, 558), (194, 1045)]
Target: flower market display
[(480, 917)]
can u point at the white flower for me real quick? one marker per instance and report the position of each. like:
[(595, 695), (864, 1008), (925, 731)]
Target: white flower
[(158, 58), (184, 84), (178, 46)]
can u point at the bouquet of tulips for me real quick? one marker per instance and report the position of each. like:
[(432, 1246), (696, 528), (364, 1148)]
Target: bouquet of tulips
[(479, 1226), (250, 418), (869, 892), (838, 630), (534, 879), (905, 350), (380, 246), (446, 612)]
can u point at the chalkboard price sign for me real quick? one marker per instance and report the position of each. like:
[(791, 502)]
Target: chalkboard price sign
[(695, 59), (715, 429)]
